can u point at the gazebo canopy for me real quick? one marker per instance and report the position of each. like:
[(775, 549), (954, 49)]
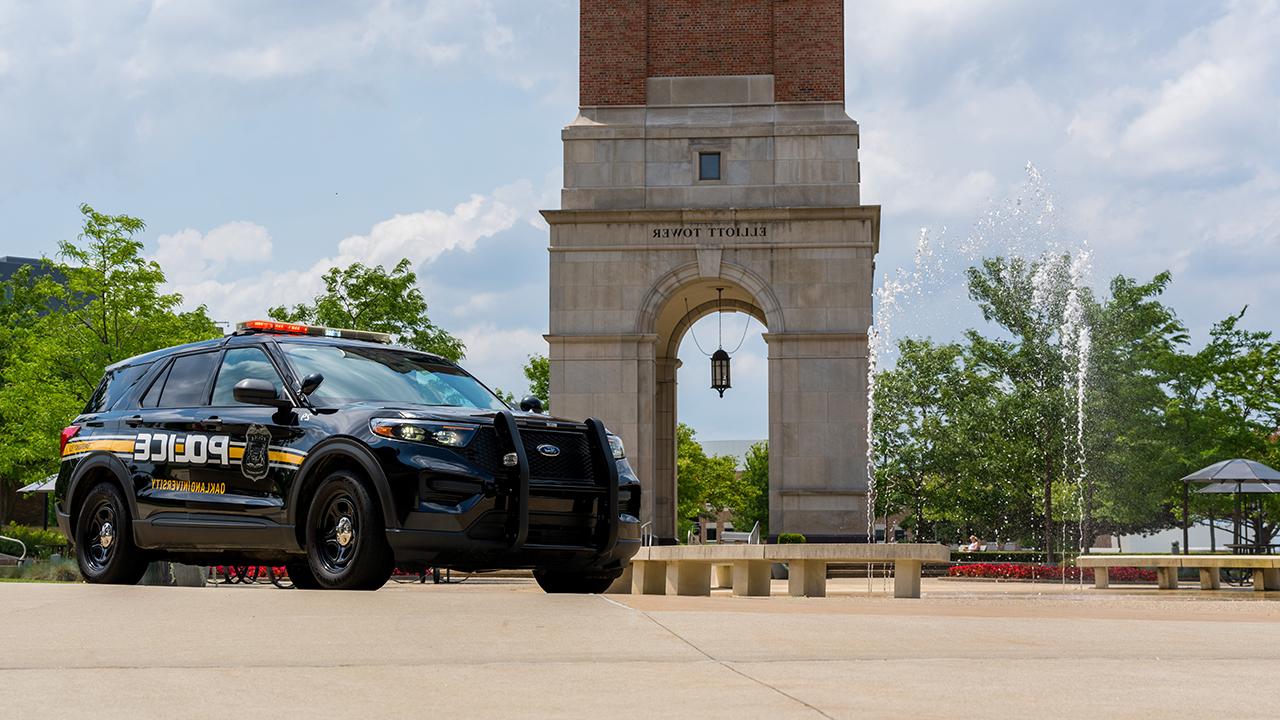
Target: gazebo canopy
[(1244, 488), (40, 486), (1235, 471)]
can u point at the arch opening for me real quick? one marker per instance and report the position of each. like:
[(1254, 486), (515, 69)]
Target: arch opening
[(725, 426)]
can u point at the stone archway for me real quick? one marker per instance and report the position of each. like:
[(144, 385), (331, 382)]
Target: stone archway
[(621, 301)]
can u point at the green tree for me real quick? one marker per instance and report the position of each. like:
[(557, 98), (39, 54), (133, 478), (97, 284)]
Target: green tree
[(702, 481), (1225, 403), (538, 372), (371, 298), (979, 436), (753, 505), (934, 435), (1131, 449), (1028, 301), (101, 304)]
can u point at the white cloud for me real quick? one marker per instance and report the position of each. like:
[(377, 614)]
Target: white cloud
[(187, 256), (423, 236), (253, 43), (1212, 100), (214, 268)]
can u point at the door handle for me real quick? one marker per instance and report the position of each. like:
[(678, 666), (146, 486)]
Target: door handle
[(211, 423), (133, 421)]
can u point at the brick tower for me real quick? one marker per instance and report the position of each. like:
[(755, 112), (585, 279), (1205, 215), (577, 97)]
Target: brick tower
[(712, 151)]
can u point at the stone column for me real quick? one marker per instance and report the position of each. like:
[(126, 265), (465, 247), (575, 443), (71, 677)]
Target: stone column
[(612, 377), (663, 482), (817, 435)]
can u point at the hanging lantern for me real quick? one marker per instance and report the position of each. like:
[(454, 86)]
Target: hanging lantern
[(720, 371), (720, 358)]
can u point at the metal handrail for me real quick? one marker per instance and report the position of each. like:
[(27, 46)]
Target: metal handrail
[(754, 537), (21, 557), (646, 534)]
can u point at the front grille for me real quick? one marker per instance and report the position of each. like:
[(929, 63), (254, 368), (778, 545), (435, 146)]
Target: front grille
[(483, 451), (574, 463)]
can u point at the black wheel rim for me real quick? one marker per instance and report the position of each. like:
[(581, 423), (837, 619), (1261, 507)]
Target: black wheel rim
[(102, 536), (339, 533)]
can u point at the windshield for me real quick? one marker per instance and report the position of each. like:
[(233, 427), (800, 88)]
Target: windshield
[(366, 374)]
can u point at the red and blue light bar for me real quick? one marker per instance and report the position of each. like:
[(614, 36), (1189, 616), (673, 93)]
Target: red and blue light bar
[(284, 328)]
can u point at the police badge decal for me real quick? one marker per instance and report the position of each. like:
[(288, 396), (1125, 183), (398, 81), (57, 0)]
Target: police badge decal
[(256, 461)]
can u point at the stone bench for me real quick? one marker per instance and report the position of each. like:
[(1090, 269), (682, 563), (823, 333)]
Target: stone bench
[(1266, 568), (688, 569)]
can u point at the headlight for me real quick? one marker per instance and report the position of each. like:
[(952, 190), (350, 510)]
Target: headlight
[(615, 444), (456, 436)]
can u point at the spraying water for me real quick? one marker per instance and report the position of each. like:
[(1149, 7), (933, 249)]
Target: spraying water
[(1022, 227)]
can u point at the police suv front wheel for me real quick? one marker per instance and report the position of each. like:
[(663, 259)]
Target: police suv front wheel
[(346, 538), (104, 542)]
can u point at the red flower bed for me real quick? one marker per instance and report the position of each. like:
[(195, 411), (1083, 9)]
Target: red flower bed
[(1020, 571)]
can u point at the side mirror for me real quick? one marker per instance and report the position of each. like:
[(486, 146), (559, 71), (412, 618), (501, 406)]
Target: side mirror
[(531, 404), (253, 391), (310, 383)]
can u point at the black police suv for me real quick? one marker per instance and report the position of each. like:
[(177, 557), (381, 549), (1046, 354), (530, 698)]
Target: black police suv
[(341, 457)]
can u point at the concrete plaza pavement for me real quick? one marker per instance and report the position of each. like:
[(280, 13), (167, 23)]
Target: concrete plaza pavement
[(501, 648)]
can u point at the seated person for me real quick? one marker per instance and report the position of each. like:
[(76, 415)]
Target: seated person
[(974, 544)]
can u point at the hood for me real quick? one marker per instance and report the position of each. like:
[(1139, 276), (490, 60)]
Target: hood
[(444, 413)]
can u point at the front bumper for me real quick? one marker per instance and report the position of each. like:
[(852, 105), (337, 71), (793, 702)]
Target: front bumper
[(464, 551)]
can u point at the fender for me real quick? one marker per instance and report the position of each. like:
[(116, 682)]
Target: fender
[(118, 470), (352, 450)]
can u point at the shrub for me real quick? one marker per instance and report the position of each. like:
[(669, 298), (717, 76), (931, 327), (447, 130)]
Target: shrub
[(1018, 571), (40, 543), (790, 538), (61, 571), (997, 556)]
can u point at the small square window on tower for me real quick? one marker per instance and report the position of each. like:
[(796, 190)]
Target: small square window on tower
[(709, 166)]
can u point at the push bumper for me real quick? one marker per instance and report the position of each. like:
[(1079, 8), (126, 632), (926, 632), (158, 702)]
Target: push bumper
[(531, 523)]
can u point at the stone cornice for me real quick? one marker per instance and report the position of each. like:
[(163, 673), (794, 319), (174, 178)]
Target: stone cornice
[(604, 337), (726, 215)]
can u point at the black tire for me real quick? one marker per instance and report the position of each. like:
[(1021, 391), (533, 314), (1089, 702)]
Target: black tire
[(104, 518), (555, 581), (346, 538), (300, 575)]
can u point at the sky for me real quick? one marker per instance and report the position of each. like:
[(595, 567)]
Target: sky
[(263, 143)]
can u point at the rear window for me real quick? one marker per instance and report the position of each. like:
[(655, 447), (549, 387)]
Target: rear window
[(114, 386)]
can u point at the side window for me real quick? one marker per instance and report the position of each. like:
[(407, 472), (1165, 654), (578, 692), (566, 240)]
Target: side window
[(188, 380), (118, 384), (241, 364), (152, 398)]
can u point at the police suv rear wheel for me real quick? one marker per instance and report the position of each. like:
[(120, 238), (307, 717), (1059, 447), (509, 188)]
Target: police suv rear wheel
[(552, 581), (346, 537), (104, 543)]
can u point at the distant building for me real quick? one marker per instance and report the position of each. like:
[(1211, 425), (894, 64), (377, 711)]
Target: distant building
[(10, 264), (737, 449)]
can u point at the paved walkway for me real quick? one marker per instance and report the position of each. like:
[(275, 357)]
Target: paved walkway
[(500, 648)]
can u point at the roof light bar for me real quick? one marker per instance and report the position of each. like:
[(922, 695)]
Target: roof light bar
[(283, 328)]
